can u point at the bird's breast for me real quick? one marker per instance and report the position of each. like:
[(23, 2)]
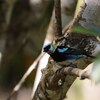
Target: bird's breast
[(58, 57)]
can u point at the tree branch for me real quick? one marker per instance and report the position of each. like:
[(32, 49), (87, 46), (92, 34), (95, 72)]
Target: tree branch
[(75, 20), (67, 30), (53, 83), (58, 23)]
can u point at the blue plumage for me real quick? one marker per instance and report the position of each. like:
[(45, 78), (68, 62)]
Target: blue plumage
[(62, 50), (62, 53)]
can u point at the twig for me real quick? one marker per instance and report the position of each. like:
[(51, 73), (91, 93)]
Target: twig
[(31, 68), (75, 20), (67, 30), (58, 24)]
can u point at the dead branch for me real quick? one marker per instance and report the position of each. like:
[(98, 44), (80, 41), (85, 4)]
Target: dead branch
[(75, 20), (58, 23), (28, 72)]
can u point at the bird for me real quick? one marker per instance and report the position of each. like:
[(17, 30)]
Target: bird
[(63, 53)]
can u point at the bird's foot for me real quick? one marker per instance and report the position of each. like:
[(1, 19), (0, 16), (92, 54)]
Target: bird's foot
[(70, 65)]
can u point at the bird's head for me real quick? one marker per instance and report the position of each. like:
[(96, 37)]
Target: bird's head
[(49, 48)]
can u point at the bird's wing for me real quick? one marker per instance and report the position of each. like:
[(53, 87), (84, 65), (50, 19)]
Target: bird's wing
[(67, 50), (71, 51), (62, 50)]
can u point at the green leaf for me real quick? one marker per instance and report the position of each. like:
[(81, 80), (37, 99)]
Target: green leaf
[(80, 29)]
